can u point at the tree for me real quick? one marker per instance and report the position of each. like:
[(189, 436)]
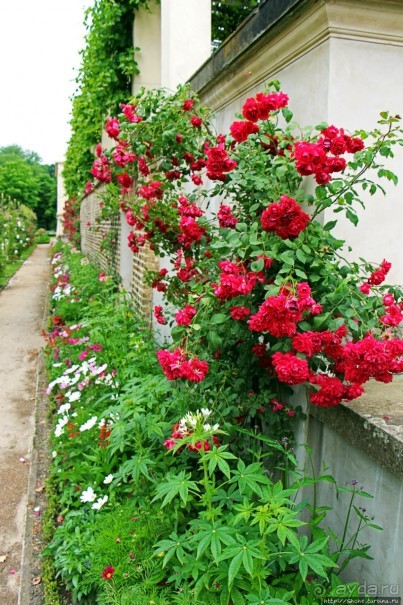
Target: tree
[(24, 178), (227, 15)]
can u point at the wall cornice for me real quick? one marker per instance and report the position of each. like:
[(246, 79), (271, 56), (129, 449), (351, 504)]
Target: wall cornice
[(274, 44)]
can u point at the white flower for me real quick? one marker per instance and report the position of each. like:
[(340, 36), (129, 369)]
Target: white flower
[(64, 408), (207, 427), (89, 424), (88, 495), (206, 412), (54, 454), (60, 424), (108, 479), (99, 503), (72, 369), (216, 427), (74, 396)]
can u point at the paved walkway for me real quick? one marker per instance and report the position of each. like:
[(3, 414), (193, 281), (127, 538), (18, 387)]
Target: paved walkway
[(21, 313)]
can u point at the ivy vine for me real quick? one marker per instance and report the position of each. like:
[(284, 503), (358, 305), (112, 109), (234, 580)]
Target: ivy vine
[(103, 81), (107, 67)]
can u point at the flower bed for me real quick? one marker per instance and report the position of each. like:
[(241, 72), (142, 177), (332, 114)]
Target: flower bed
[(170, 491), (17, 232)]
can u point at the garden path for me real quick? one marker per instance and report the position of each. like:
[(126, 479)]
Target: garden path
[(21, 313)]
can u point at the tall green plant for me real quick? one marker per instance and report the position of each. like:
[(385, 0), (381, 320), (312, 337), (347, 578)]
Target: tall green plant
[(103, 81)]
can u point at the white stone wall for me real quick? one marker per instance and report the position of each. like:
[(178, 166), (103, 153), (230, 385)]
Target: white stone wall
[(339, 61)]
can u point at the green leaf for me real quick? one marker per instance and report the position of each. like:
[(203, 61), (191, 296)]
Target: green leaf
[(234, 567), (175, 485), (218, 318), (301, 256), (257, 265), (330, 225), (287, 114), (352, 217)]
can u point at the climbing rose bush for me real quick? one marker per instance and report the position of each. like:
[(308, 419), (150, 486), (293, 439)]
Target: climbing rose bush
[(256, 282)]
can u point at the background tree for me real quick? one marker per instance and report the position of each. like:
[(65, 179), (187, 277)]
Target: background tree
[(24, 178), (227, 15)]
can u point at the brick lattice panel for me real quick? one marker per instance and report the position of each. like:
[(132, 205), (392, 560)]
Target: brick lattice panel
[(92, 237)]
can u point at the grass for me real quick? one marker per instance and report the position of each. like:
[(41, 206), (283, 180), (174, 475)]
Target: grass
[(11, 268)]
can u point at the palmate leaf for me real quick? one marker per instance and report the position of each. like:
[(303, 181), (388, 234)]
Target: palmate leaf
[(249, 477), (242, 555), (308, 557), (212, 535), (134, 467), (218, 457), (244, 511), (175, 545), (264, 598), (176, 485)]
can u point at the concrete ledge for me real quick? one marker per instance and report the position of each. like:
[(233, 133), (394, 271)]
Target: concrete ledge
[(373, 423), (262, 20)]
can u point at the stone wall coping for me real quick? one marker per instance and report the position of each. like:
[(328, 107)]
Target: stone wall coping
[(250, 31), (278, 32), (373, 423)]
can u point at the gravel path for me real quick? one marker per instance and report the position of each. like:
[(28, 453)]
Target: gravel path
[(21, 314)]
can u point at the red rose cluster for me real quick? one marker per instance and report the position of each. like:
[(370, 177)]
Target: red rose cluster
[(129, 113), (122, 155), (239, 313), (184, 266), (394, 312), (260, 107), (219, 163), (241, 130), (377, 277), (176, 364), (285, 218), (323, 157), (279, 315), (236, 280), (226, 219), (159, 316), (184, 316), (372, 358), (101, 169)]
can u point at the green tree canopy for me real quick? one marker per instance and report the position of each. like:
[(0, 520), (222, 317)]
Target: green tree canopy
[(24, 178), (227, 15)]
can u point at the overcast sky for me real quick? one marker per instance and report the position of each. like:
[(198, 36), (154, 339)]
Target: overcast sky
[(39, 56)]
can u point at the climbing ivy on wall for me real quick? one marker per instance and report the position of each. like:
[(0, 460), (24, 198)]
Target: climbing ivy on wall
[(103, 81), (107, 67)]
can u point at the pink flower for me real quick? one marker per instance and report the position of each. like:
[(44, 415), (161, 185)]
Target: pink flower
[(112, 127), (176, 364), (159, 316), (184, 316), (169, 443)]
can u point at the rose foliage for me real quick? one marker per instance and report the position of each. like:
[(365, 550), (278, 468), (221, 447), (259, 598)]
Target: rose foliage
[(257, 283)]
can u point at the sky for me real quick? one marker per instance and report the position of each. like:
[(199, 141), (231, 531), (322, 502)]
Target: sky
[(39, 58)]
